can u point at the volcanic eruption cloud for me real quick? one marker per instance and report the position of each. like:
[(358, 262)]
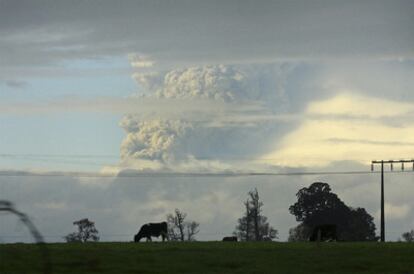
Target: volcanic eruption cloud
[(238, 114)]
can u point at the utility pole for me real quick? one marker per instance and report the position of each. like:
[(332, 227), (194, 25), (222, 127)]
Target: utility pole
[(391, 162)]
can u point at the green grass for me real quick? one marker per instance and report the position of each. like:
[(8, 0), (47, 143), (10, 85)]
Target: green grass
[(212, 257)]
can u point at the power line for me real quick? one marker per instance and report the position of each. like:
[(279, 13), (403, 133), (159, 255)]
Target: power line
[(181, 174)]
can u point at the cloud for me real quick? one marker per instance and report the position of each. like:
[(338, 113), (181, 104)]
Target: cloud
[(369, 142), (179, 145), (16, 84), (347, 127), (154, 140), (181, 33), (140, 61), (226, 83), (139, 106), (353, 105), (125, 203), (238, 114), (395, 211), (192, 115), (221, 83), (334, 112), (238, 105), (51, 205)]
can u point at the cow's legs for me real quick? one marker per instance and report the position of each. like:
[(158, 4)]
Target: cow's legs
[(149, 239), (164, 236)]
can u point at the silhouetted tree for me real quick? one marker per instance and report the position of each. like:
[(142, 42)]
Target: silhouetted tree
[(408, 236), (179, 229), (244, 226), (191, 230), (253, 226), (317, 205), (360, 226), (86, 232)]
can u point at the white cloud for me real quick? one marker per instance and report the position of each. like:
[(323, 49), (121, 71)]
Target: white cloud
[(348, 127), (350, 104), (154, 140), (140, 61), (149, 80), (332, 122), (223, 83), (221, 111)]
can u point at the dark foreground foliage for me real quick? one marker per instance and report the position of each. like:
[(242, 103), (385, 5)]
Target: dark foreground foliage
[(317, 206), (213, 257)]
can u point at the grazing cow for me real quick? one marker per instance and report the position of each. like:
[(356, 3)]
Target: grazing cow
[(323, 233), (230, 239), (152, 229)]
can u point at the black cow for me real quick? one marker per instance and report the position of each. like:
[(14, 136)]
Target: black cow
[(152, 229), (230, 239), (323, 233)]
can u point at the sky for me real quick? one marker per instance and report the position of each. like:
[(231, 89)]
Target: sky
[(122, 112)]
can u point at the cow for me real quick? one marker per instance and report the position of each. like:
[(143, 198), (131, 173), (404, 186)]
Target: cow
[(324, 233), (152, 229), (230, 239)]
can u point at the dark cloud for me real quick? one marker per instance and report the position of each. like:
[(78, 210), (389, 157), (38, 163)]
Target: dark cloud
[(45, 31), (16, 84)]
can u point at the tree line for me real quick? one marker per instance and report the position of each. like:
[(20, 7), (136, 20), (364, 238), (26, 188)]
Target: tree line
[(316, 205)]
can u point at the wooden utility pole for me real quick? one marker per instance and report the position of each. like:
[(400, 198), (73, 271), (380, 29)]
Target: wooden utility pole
[(391, 162)]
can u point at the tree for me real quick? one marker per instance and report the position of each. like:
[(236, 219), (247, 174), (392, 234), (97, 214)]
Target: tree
[(253, 226), (299, 233), (360, 226), (191, 230), (317, 205), (86, 232), (408, 236), (179, 229), (244, 228)]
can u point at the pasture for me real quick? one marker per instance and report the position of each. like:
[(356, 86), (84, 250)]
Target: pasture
[(211, 257)]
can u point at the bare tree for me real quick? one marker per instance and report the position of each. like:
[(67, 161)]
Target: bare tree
[(192, 230), (179, 229), (408, 236), (86, 232), (253, 225)]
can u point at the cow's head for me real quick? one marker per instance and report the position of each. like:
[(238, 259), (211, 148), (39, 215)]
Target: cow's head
[(137, 237)]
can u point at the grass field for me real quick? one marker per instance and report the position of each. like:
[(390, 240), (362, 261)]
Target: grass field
[(211, 257)]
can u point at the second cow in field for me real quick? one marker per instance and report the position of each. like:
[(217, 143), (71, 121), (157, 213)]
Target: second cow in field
[(152, 230), (323, 233), (230, 239)]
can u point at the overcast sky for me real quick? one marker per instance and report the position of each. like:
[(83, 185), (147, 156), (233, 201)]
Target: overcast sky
[(202, 87)]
